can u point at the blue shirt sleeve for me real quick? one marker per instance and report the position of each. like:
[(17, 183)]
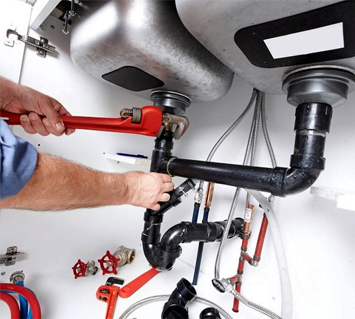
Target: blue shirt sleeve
[(18, 162)]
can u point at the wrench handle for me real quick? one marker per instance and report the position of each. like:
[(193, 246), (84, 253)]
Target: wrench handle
[(137, 283), (150, 123)]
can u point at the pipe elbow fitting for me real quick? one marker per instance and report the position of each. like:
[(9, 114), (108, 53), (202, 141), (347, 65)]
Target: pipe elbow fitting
[(175, 307), (297, 180), (160, 258)]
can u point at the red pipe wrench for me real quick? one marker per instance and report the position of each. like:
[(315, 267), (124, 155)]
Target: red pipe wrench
[(109, 293), (144, 121), (148, 120)]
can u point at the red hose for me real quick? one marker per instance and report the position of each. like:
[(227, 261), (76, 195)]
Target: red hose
[(29, 295), (241, 264), (261, 238), (12, 303)]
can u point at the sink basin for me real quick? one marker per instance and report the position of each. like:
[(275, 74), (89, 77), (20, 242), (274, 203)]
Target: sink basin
[(142, 46), (263, 40)]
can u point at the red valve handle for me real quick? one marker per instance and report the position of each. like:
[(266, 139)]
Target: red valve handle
[(138, 283), (151, 121), (79, 269), (108, 263)]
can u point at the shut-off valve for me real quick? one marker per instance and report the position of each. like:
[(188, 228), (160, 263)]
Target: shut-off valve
[(122, 256)]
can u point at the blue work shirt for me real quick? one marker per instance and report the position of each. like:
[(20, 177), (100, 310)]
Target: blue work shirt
[(18, 162)]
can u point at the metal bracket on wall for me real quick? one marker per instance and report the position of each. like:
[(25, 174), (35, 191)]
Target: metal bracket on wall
[(42, 44), (11, 256)]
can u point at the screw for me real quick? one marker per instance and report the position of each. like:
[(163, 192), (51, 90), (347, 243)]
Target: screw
[(3, 273), (41, 52), (37, 42)]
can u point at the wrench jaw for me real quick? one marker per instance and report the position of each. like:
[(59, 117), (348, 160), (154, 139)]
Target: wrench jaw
[(174, 123), (170, 122)]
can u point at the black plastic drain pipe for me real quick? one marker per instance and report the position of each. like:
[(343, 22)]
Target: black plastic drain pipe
[(311, 125), (176, 306), (164, 254)]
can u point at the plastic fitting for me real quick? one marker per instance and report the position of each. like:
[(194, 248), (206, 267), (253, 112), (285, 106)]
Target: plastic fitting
[(163, 254), (210, 313), (311, 125), (176, 306)]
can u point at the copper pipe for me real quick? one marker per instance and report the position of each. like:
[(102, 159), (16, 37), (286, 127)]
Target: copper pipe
[(209, 195), (260, 242), (247, 258), (240, 271), (248, 218)]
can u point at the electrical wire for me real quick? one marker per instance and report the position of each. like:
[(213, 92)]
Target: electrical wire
[(12, 303), (158, 298)]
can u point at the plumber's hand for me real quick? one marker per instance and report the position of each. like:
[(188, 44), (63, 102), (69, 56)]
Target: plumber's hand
[(147, 189), (21, 99)]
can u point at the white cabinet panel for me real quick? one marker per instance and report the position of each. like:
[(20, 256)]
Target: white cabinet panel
[(15, 15)]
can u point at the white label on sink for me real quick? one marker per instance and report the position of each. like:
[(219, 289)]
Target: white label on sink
[(321, 39)]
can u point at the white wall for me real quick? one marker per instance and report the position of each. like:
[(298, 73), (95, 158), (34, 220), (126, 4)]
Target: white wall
[(319, 238)]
